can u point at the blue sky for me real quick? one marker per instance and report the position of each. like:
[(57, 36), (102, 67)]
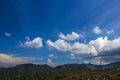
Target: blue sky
[(59, 31)]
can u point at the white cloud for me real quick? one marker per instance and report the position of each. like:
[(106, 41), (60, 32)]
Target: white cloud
[(110, 32), (100, 51), (70, 37), (104, 45), (98, 61), (49, 62), (72, 56), (8, 34), (59, 45), (78, 48), (83, 49), (35, 43), (97, 30), (100, 46), (86, 62), (51, 55)]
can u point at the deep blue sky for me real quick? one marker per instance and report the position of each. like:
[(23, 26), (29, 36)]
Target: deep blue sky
[(47, 18)]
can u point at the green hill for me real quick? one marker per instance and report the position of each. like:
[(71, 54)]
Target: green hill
[(62, 72)]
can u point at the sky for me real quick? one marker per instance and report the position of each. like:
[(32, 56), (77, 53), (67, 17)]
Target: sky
[(56, 32)]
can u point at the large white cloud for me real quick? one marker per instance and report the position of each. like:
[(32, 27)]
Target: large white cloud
[(97, 30), (35, 43), (104, 45), (83, 49), (78, 48), (100, 51), (60, 44), (100, 46), (70, 37)]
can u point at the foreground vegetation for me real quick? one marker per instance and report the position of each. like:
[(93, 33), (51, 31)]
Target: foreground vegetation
[(96, 75)]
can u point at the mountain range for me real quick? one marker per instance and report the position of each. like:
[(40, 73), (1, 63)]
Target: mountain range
[(31, 71)]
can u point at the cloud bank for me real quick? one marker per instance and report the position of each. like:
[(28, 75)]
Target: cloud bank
[(97, 49), (10, 60), (100, 46)]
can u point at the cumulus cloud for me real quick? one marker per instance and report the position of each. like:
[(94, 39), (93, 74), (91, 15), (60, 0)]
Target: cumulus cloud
[(49, 62), (35, 43), (110, 32), (10, 60), (7, 34), (103, 45), (78, 48), (101, 50), (72, 56), (97, 30), (100, 46), (70, 37), (60, 44), (83, 49)]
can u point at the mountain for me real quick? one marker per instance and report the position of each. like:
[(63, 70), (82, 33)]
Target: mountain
[(23, 69), (72, 67), (26, 68), (62, 72)]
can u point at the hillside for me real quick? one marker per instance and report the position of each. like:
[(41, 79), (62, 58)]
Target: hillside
[(61, 72)]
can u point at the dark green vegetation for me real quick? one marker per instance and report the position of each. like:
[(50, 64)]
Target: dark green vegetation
[(63, 72)]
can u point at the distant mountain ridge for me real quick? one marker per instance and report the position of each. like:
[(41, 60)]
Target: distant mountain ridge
[(21, 71), (114, 65)]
